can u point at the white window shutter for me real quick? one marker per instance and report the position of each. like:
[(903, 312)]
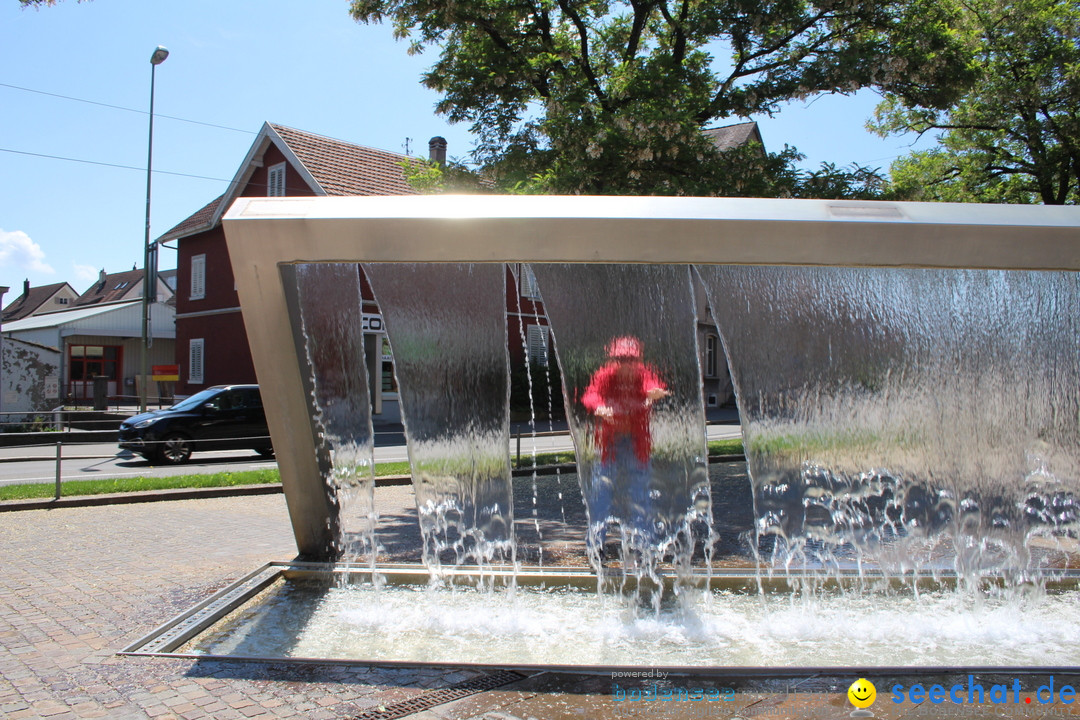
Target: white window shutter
[(537, 337), (529, 287), (198, 277), (195, 360), (275, 181)]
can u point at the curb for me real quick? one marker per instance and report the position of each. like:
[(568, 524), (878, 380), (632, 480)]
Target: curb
[(11, 440), (47, 458), (139, 497)]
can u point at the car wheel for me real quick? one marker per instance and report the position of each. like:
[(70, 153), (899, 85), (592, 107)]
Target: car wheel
[(266, 452), (175, 449)]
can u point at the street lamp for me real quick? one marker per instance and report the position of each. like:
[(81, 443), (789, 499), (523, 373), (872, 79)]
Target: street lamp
[(149, 254), (3, 291)]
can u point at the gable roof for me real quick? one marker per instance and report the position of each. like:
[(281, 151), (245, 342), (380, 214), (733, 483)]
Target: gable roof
[(67, 316), (27, 303), (729, 137), (111, 320), (112, 289), (328, 166), (202, 219)]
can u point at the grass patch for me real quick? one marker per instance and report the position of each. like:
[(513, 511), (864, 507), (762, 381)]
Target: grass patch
[(137, 484), (727, 446), (392, 468), (552, 458), (72, 488)]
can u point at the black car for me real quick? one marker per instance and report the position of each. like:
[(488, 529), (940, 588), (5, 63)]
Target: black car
[(225, 417)]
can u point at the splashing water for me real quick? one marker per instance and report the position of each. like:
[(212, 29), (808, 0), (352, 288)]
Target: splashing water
[(906, 418), (329, 306), (562, 626), (621, 331), (894, 421), (446, 324)]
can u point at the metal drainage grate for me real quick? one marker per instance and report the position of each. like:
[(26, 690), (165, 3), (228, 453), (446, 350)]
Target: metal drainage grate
[(174, 634), (431, 698)]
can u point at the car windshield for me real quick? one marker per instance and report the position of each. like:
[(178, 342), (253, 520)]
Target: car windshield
[(195, 400)]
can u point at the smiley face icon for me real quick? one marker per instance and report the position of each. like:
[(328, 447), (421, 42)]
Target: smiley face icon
[(862, 693)]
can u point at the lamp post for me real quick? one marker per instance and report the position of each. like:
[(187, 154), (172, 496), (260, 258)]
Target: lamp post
[(149, 254), (3, 291)]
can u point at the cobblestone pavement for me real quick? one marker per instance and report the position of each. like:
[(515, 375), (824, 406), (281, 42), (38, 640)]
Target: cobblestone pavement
[(78, 584), (81, 583)]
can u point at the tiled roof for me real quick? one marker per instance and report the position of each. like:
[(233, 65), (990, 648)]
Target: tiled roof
[(342, 168), (336, 166), (25, 304), (201, 220), (111, 289), (733, 136)]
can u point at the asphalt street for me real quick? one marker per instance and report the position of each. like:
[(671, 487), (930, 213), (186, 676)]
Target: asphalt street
[(104, 460)]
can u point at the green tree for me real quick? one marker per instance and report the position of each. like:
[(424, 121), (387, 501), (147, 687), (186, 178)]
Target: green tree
[(1015, 135), (610, 96)]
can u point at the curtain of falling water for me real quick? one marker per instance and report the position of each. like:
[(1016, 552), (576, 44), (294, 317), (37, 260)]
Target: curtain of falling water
[(909, 417), (330, 310), (660, 501), (446, 324)]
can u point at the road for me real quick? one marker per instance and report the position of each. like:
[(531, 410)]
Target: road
[(100, 461)]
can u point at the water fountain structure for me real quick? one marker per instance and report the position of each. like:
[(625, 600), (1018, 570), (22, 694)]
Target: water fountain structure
[(807, 435)]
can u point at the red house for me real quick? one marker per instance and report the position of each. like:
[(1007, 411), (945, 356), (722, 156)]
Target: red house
[(211, 342)]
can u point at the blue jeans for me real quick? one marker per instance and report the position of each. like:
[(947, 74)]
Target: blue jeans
[(629, 477)]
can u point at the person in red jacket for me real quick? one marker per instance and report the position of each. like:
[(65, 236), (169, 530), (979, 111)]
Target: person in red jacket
[(620, 397)]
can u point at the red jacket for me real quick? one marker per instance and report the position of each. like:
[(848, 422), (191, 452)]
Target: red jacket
[(622, 385)]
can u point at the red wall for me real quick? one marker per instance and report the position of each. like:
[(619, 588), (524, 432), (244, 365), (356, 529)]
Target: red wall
[(294, 184), (227, 358)]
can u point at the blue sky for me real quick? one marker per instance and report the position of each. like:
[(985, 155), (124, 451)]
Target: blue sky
[(233, 64)]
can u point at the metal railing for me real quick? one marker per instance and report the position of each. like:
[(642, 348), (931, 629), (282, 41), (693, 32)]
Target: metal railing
[(61, 446), (61, 418)]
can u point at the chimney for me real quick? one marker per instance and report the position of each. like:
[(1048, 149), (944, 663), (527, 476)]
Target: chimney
[(437, 150), (26, 287)]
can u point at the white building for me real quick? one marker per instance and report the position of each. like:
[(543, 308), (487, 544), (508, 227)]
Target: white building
[(97, 340)]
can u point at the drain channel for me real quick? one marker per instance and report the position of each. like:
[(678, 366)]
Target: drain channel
[(186, 626), (431, 698)]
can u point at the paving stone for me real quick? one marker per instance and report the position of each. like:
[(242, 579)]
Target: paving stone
[(20, 714), (87, 581)]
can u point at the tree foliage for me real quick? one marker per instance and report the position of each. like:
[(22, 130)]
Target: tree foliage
[(1015, 135), (610, 96)]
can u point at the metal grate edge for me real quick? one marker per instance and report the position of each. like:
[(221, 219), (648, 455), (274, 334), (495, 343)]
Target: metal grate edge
[(441, 696), (190, 624)]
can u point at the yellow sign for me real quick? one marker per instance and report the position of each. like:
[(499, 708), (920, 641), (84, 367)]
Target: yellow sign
[(165, 373)]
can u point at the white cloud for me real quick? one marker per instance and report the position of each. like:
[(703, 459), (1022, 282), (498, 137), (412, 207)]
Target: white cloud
[(85, 273), (17, 250)]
